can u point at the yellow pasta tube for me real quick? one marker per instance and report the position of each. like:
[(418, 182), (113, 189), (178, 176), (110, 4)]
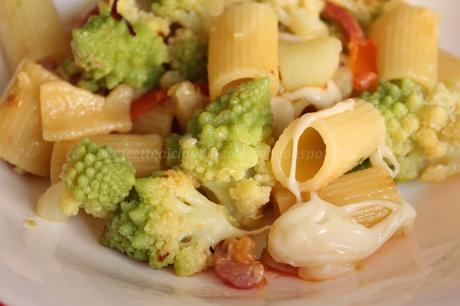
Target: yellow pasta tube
[(365, 185), (32, 29), (282, 199), (21, 141), (408, 44), (319, 147), (158, 120), (449, 70), (374, 183), (143, 151), (69, 112), (311, 63), (243, 45)]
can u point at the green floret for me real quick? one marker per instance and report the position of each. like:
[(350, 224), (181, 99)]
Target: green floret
[(188, 55), (170, 223), (134, 12), (184, 12), (416, 121), (97, 179), (108, 53), (227, 148)]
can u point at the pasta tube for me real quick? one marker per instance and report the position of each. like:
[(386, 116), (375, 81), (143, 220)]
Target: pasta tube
[(21, 141), (243, 45), (69, 112), (449, 70), (31, 29), (408, 44), (374, 183), (143, 151), (158, 120), (319, 147), (311, 63), (369, 184)]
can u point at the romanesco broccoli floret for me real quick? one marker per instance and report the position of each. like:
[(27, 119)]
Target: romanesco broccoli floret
[(227, 148), (107, 52), (170, 223), (416, 122), (97, 179), (133, 12), (188, 55), (184, 12)]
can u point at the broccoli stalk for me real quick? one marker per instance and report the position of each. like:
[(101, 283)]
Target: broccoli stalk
[(96, 178), (169, 223), (226, 148), (108, 53), (417, 122)]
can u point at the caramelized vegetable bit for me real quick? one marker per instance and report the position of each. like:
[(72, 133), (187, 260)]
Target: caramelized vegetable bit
[(236, 264)]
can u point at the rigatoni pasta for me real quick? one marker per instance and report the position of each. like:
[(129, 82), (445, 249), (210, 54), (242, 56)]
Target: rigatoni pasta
[(31, 29), (143, 151), (449, 70), (243, 45), (69, 112), (407, 37), (208, 152), (370, 184), (311, 63), (158, 120), (21, 140), (320, 147)]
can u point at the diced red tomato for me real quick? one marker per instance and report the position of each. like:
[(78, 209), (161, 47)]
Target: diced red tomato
[(146, 102)]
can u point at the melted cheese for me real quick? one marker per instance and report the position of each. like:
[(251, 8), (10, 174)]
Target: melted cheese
[(378, 159), (290, 105), (325, 242), (286, 36), (319, 97)]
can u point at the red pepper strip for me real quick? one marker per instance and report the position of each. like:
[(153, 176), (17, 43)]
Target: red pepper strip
[(363, 52), (365, 81), (363, 55), (146, 102), (363, 63), (345, 19)]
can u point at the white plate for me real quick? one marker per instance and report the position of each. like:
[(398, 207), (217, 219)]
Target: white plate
[(52, 264)]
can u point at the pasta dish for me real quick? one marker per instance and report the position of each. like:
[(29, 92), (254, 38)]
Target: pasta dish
[(191, 128)]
